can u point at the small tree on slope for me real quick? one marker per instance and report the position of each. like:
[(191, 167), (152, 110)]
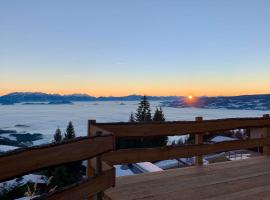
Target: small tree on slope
[(58, 135), (70, 133)]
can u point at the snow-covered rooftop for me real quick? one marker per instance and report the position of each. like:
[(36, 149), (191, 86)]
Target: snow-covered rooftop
[(222, 139), (147, 167)]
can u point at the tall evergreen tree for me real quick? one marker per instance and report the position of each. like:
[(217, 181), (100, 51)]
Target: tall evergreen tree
[(143, 113), (70, 133), (131, 117), (58, 135)]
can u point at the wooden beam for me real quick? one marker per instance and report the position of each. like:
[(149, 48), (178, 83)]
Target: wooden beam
[(89, 170), (266, 133), (199, 140), (126, 156), (181, 127), (84, 189), (27, 160)]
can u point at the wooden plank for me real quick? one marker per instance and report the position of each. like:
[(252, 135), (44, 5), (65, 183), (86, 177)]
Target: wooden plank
[(199, 140), (198, 182), (266, 132), (125, 156), (92, 131), (181, 127), (84, 189), (186, 172), (23, 161), (94, 165)]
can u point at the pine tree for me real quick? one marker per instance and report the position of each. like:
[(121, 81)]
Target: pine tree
[(58, 135), (131, 117), (69, 173), (70, 133), (143, 112), (159, 115)]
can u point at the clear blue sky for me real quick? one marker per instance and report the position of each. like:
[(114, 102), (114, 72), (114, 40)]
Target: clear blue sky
[(155, 47)]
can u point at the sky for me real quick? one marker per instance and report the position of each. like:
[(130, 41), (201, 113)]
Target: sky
[(122, 47)]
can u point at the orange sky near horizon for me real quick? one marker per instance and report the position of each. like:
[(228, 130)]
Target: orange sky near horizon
[(123, 89)]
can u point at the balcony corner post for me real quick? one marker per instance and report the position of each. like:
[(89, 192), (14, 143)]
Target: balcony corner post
[(199, 140)]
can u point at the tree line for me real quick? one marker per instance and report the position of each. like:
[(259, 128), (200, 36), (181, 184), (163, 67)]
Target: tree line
[(144, 114)]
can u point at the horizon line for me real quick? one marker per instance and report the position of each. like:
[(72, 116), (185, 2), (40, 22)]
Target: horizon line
[(66, 94)]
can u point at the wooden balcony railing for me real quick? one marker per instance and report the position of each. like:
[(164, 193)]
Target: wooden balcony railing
[(99, 149), (199, 127), (20, 162)]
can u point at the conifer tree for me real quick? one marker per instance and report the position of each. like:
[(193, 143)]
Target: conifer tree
[(58, 135), (159, 115), (131, 117), (70, 133), (143, 113), (69, 173)]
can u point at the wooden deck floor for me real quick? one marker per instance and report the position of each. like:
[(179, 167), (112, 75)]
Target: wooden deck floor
[(235, 180)]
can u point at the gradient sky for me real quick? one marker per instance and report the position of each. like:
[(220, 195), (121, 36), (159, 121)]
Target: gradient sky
[(121, 47)]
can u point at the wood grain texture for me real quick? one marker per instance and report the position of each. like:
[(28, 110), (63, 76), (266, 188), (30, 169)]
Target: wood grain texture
[(23, 161), (232, 180), (180, 127), (84, 189), (125, 156)]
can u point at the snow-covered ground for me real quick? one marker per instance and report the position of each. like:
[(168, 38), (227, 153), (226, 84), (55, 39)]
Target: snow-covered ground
[(33, 178), (4, 148)]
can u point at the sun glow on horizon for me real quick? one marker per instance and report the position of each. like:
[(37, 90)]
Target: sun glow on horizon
[(190, 97)]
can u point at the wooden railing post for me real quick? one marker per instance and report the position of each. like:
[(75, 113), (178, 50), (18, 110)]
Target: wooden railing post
[(266, 133), (90, 172), (99, 168), (199, 140)]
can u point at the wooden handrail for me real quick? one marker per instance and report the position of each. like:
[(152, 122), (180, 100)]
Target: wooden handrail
[(197, 127), (27, 160), (127, 156), (180, 127), (85, 188)]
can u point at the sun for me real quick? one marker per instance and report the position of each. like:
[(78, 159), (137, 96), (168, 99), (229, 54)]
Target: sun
[(190, 97)]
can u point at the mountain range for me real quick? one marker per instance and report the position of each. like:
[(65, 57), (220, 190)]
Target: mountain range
[(18, 97), (244, 102), (247, 102)]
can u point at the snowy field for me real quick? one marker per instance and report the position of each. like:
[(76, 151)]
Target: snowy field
[(46, 118)]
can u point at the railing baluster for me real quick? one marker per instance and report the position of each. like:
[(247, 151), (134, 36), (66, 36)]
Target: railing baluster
[(199, 140), (99, 168), (90, 170), (266, 133)]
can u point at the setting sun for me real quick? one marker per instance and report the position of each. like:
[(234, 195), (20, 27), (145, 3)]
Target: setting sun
[(190, 97)]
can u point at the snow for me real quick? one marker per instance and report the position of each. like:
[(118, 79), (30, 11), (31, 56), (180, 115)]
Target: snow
[(8, 136), (26, 198), (4, 148), (122, 170), (23, 180), (217, 139), (147, 167), (169, 164)]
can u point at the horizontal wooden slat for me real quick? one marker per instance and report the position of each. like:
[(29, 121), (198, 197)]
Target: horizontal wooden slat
[(23, 161), (125, 156), (84, 189), (181, 127)]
